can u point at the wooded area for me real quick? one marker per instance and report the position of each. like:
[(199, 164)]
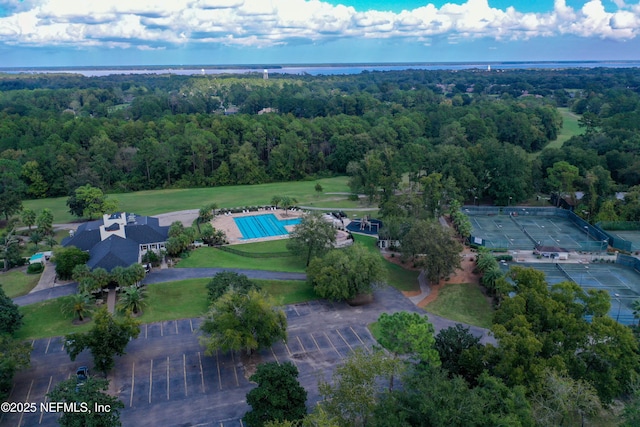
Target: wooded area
[(131, 132)]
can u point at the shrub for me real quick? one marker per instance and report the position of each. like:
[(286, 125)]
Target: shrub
[(35, 268)]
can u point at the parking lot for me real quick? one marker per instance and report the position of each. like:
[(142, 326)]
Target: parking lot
[(166, 379)]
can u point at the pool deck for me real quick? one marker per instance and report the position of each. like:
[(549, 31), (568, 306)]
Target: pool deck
[(228, 225)]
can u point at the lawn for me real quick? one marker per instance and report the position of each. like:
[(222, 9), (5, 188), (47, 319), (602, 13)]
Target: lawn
[(45, 319), (212, 257), (166, 301), (270, 246), (398, 277), (464, 303), (160, 201), (569, 128), (17, 282)]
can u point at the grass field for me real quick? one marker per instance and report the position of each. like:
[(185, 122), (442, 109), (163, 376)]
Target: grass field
[(398, 277), (162, 201), (464, 303), (211, 257), (166, 301), (569, 129), (17, 282)]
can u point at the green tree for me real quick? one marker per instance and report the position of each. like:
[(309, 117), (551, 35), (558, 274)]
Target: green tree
[(561, 178), (276, 200), (205, 214), (565, 401), (278, 396), (227, 280), (44, 221), (350, 398), (433, 248), (79, 305), (28, 217), (342, 274), (37, 184), (211, 236), (107, 338), (10, 316), (35, 238), (89, 201), (9, 249), (312, 237), (409, 334), (243, 321), (12, 188), (318, 188), (133, 299), (66, 259), (287, 203), (93, 392), (460, 352), (14, 355), (51, 241)]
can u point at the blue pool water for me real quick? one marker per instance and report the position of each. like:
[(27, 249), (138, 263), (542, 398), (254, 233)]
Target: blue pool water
[(256, 226), (36, 258)]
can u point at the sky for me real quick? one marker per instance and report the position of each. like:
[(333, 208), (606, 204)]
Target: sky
[(46, 33)]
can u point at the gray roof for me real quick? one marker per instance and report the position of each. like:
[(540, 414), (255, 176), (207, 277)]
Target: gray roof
[(112, 252), (115, 250)]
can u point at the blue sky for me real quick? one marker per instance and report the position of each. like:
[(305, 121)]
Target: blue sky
[(216, 32)]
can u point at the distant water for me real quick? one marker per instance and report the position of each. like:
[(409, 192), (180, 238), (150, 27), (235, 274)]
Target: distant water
[(315, 70)]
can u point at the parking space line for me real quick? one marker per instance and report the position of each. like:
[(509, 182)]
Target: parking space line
[(167, 377), (45, 398), (175, 322), (161, 330), (26, 400), (201, 371), (345, 341), (145, 330), (274, 355), (235, 372), (47, 349), (332, 346), (357, 336), (241, 425), (133, 380), (294, 309), (150, 380), (316, 342), (184, 370), (301, 345), (62, 348), (218, 365), (287, 347), (191, 324)]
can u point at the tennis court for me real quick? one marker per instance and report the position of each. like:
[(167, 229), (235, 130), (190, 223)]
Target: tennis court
[(632, 236), (522, 231), (621, 282)]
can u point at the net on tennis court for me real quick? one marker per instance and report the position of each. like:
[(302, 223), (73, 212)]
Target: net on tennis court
[(563, 271)]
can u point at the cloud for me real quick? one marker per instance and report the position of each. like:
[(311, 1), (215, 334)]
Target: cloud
[(157, 24)]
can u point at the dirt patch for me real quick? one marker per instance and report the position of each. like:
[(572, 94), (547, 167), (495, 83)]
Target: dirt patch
[(464, 275)]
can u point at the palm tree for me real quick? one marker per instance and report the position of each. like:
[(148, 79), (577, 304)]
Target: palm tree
[(132, 299), (486, 261), (78, 305), (51, 241), (35, 239), (490, 278)]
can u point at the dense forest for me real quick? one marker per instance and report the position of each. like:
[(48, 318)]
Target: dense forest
[(484, 132)]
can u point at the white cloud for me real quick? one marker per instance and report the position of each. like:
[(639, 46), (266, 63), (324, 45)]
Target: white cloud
[(154, 24)]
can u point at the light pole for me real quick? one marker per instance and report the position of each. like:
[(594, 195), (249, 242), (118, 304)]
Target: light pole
[(510, 200), (618, 299)]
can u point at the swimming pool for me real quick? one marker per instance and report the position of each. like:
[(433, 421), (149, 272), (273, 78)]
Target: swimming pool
[(39, 257), (257, 226)]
